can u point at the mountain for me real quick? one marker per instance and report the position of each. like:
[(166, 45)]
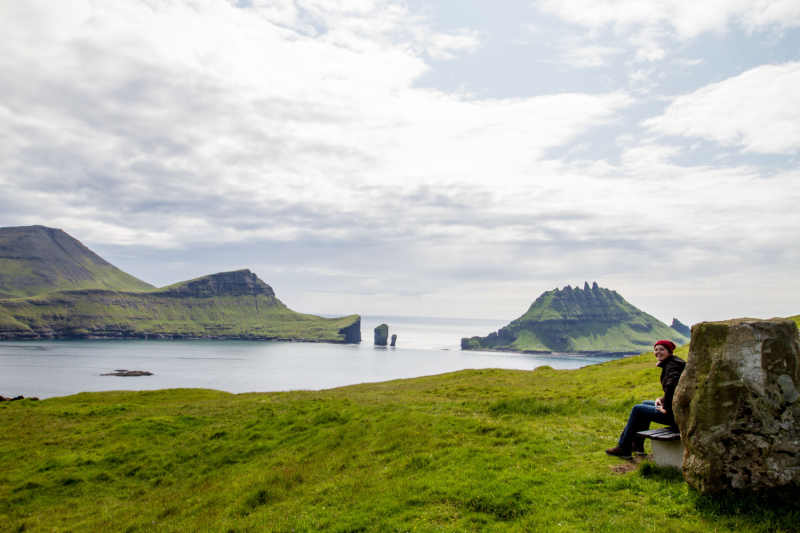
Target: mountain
[(570, 320), (681, 328), (38, 260), (228, 305), (101, 301)]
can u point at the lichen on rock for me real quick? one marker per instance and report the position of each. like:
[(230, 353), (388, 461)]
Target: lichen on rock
[(738, 407)]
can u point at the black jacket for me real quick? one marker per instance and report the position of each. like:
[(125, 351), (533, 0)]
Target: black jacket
[(671, 370)]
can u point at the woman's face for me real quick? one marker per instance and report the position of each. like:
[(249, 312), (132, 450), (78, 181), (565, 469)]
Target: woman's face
[(661, 352)]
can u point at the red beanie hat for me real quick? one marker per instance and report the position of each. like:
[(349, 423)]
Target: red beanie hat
[(669, 345)]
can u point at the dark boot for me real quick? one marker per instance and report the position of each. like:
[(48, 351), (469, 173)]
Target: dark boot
[(616, 451)]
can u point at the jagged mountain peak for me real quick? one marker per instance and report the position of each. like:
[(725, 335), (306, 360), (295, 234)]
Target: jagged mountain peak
[(592, 320)]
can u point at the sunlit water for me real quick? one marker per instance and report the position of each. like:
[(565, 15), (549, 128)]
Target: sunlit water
[(425, 346)]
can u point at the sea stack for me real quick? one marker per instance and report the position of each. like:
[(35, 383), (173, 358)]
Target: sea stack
[(738, 407), (394, 340), (381, 335)]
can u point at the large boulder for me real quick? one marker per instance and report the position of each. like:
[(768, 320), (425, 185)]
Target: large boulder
[(738, 407)]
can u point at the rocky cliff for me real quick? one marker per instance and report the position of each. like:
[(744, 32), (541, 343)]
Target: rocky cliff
[(38, 260), (570, 320)]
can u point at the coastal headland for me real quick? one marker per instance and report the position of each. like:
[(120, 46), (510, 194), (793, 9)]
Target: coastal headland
[(56, 288)]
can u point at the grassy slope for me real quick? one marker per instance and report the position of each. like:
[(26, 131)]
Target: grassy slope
[(84, 312), (600, 337), (44, 260), (103, 277), (477, 450), (558, 314)]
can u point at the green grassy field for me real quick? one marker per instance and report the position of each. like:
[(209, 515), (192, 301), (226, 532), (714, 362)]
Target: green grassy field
[(476, 450)]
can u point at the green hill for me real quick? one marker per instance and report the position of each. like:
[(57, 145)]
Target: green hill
[(228, 305), (477, 451), (38, 260), (52, 286), (589, 321)]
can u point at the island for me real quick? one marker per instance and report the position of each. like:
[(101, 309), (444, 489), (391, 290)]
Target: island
[(592, 321)]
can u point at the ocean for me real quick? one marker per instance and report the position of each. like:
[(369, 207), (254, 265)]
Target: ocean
[(425, 346)]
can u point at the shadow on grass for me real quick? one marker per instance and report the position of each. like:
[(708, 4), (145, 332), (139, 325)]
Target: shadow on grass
[(763, 512), (774, 512), (651, 470)]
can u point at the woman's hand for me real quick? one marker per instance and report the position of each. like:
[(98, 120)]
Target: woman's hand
[(660, 406)]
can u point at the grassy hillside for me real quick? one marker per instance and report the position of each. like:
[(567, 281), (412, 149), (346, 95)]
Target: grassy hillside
[(592, 320), (226, 305), (52, 286), (477, 450), (37, 260)]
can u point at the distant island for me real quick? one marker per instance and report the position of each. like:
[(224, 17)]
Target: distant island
[(592, 321), (54, 287)]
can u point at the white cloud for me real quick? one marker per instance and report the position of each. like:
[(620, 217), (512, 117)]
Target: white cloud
[(588, 56), (288, 137), (686, 19), (648, 23), (758, 110), (201, 120), (441, 45)]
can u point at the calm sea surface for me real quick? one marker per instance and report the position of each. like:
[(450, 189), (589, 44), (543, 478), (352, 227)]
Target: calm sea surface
[(425, 346)]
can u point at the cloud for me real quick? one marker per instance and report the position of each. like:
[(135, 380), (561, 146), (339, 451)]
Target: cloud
[(648, 23), (205, 121), (441, 45), (758, 110), (289, 137), (684, 19), (587, 56)]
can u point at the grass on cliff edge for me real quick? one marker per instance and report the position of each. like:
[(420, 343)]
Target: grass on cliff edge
[(476, 450)]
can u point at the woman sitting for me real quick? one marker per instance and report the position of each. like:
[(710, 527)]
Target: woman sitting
[(659, 411)]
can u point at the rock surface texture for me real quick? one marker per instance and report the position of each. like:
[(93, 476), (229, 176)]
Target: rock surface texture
[(738, 406), (394, 340), (381, 335)]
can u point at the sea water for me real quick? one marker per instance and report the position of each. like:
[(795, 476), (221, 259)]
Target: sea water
[(425, 346)]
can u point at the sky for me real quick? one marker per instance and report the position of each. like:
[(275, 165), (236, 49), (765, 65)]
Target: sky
[(417, 158)]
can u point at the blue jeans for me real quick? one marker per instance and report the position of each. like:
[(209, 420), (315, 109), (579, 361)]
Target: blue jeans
[(639, 420)]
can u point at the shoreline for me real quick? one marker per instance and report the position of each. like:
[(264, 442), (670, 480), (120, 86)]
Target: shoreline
[(585, 353)]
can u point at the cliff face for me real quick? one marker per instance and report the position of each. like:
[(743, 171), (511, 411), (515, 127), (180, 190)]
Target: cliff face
[(236, 283), (592, 320), (38, 260)]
